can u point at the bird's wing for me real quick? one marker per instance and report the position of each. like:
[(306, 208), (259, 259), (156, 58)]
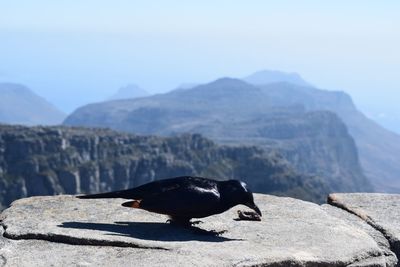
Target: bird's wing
[(153, 188), (184, 200)]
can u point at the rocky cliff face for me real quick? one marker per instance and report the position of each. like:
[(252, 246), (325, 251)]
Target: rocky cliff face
[(379, 148), (318, 143), (233, 112), (56, 160)]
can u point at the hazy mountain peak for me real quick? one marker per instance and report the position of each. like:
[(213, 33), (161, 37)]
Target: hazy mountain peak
[(228, 82), (272, 76), (224, 83), (129, 91), (20, 105), (185, 86), (14, 88), (223, 87)]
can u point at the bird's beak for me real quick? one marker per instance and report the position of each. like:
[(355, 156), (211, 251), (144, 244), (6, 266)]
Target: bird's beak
[(255, 208)]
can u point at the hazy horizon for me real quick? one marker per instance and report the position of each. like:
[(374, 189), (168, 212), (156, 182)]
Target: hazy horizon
[(76, 52)]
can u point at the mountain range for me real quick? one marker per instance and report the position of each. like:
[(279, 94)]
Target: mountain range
[(19, 105), (314, 133), (231, 111), (272, 109)]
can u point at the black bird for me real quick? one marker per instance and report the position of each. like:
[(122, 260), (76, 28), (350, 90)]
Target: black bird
[(184, 198)]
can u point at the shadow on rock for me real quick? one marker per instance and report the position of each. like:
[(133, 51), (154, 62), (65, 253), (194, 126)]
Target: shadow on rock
[(151, 231)]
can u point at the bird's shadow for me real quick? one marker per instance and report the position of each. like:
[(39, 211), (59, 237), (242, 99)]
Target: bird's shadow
[(154, 231)]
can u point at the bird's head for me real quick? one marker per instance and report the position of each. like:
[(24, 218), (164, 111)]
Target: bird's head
[(237, 192)]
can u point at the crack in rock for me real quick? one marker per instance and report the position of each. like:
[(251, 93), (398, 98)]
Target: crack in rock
[(388, 256), (394, 244), (370, 259)]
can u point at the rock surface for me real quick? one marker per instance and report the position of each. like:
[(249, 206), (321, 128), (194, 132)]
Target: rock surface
[(381, 211), (389, 256), (291, 233)]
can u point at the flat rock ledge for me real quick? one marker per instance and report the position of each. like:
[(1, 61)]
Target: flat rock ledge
[(380, 211), (352, 230)]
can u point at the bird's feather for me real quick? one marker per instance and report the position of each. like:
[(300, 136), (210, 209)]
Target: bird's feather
[(156, 187)]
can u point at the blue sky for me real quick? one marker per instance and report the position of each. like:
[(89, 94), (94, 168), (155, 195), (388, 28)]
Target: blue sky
[(74, 52)]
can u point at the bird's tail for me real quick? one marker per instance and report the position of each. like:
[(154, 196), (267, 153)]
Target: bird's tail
[(127, 194)]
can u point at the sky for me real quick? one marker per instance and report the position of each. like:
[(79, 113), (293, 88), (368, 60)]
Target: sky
[(80, 51)]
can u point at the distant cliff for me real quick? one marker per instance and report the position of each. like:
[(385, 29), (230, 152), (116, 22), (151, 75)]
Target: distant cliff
[(234, 112), (56, 160), (379, 149)]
